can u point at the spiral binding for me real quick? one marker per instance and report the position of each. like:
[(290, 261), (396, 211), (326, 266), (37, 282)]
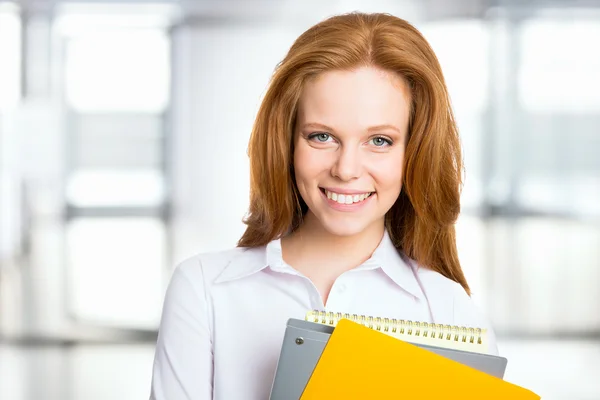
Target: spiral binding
[(400, 327)]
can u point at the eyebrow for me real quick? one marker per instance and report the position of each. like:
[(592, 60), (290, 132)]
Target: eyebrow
[(315, 125)]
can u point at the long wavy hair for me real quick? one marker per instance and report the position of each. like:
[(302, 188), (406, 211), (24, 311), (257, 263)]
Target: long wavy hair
[(421, 223)]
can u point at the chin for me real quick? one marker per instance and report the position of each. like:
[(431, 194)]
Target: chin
[(341, 227)]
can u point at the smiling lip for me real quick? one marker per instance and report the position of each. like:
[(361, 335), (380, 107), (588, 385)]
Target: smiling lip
[(345, 191), (347, 207)]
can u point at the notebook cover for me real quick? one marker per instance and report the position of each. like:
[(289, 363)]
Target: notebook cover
[(361, 363)]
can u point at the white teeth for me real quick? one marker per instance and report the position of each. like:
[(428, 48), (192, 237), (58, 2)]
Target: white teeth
[(347, 198)]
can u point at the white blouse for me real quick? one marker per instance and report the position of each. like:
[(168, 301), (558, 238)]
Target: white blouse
[(225, 314)]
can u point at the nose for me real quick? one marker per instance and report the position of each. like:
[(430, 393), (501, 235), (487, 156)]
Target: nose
[(348, 165)]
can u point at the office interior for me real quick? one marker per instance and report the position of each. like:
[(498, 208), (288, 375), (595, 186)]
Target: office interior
[(123, 136)]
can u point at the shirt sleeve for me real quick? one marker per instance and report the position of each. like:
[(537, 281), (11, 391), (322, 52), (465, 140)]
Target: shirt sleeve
[(467, 313), (183, 360)]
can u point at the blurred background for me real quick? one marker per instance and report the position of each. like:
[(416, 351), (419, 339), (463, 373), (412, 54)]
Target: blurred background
[(123, 134)]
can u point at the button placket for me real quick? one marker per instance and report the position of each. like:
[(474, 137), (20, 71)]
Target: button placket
[(313, 293), (338, 297)]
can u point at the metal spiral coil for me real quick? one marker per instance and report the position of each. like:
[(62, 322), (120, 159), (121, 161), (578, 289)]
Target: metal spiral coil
[(400, 327)]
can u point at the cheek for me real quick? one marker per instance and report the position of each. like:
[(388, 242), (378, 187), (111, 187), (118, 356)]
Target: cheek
[(388, 173), (309, 163)]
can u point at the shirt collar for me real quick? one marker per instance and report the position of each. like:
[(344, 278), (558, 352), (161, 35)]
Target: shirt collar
[(248, 262), (399, 268)]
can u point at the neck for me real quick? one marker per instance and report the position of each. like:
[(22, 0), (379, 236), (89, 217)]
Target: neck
[(313, 241)]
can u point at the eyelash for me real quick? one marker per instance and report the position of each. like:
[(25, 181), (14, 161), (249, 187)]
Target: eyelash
[(388, 141), (313, 136)]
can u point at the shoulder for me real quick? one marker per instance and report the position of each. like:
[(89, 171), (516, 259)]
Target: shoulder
[(449, 299), (450, 304), (437, 283), (211, 267), (192, 281)]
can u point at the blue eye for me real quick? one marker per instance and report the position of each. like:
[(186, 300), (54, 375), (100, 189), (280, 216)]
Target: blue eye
[(320, 136), (381, 141)]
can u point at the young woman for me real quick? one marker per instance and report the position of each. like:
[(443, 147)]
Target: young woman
[(355, 181)]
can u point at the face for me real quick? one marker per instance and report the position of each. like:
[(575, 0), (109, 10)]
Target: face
[(349, 147)]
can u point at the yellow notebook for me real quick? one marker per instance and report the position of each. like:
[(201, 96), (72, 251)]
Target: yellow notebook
[(361, 363), (471, 339)]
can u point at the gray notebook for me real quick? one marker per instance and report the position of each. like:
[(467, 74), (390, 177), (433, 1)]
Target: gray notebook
[(304, 342)]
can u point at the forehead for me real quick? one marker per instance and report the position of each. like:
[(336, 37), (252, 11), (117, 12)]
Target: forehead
[(350, 100)]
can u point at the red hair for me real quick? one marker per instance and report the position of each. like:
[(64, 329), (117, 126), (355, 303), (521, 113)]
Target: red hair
[(421, 222)]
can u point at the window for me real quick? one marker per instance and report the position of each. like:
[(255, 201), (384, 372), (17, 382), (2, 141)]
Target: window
[(116, 270), (560, 66), (118, 70)]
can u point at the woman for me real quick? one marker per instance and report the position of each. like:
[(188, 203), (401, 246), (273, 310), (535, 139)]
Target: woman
[(355, 178)]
